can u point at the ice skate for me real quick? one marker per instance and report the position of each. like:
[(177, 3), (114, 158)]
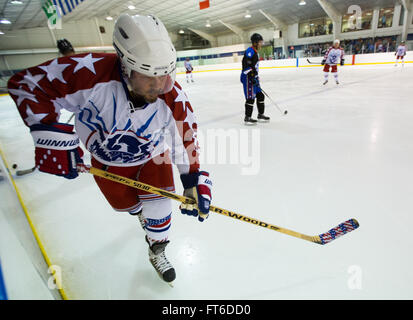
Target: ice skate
[(250, 121), (141, 219), (325, 82), (263, 118), (159, 261)]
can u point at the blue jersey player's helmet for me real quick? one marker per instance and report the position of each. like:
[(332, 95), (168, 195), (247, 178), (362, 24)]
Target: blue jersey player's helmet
[(256, 37)]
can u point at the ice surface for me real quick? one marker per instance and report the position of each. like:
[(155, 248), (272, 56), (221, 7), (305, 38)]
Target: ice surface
[(342, 152)]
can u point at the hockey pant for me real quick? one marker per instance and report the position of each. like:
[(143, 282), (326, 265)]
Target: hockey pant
[(155, 209), (251, 92), (333, 71)]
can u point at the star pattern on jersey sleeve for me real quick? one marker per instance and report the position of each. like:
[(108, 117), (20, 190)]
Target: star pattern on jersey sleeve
[(54, 70), (22, 95), (181, 98), (86, 62), (33, 118), (32, 81)]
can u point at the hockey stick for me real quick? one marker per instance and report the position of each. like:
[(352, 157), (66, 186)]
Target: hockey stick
[(283, 112), (27, 171), (323, 238), (23, 172), (70, 119), (313, 62)]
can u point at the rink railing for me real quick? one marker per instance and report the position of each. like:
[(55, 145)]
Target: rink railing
[(350, 60), (32, 227)]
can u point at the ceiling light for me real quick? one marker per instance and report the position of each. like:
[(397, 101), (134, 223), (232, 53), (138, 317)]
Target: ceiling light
[(302, 3), (208, 24), (181, 31), (131, 7), (5, 21), (16, 2), (247, 15), (1, 32), (109, 18)]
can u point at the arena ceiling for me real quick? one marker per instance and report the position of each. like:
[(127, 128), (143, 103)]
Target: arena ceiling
[(182, 14)]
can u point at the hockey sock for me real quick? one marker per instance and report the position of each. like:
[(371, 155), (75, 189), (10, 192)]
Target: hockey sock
[(248, 110), (261, 107), (336, 76), (260, 102), (136, 210), (326, 76), (158, 214)]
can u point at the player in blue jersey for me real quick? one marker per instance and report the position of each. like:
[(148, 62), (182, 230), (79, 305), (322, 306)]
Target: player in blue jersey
[(251, 82)]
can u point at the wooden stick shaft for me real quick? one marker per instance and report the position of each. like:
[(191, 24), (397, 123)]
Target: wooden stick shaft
[(170, 195)]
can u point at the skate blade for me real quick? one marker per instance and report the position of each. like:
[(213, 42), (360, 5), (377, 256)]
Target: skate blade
[(263, 121), (250, 124)]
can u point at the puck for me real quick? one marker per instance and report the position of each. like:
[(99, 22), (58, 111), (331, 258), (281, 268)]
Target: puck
[(14, 166), (285, 112)]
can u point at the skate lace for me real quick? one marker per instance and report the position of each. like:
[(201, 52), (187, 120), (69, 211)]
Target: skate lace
[(160, 262)]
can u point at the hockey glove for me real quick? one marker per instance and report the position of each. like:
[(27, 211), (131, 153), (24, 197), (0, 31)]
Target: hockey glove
[(197, 186), (255, 82), (57, 149), (323, 62), (342, 62)]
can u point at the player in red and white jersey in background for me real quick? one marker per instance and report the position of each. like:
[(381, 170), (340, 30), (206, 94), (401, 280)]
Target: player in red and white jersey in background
[(332, 58), (131, 116), (189, 69), (401, 53)]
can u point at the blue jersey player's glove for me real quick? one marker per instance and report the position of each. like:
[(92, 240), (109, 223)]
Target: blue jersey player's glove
[(255, 81)]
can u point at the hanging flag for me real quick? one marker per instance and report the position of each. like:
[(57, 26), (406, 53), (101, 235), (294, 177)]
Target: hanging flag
[(65, 6), (55, 9), (203, 4), (53, 14)]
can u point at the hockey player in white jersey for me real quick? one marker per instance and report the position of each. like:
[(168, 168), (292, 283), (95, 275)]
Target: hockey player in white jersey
[(132, 117), (189, 69), (400, 53), (332, 58)]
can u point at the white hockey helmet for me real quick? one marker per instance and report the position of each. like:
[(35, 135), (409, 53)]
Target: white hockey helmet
[(143, 45), (337, 41)]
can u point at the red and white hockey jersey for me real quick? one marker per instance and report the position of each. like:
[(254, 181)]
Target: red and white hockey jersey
[(401, 51), (188, 66), (333, 56), (91, 86)]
